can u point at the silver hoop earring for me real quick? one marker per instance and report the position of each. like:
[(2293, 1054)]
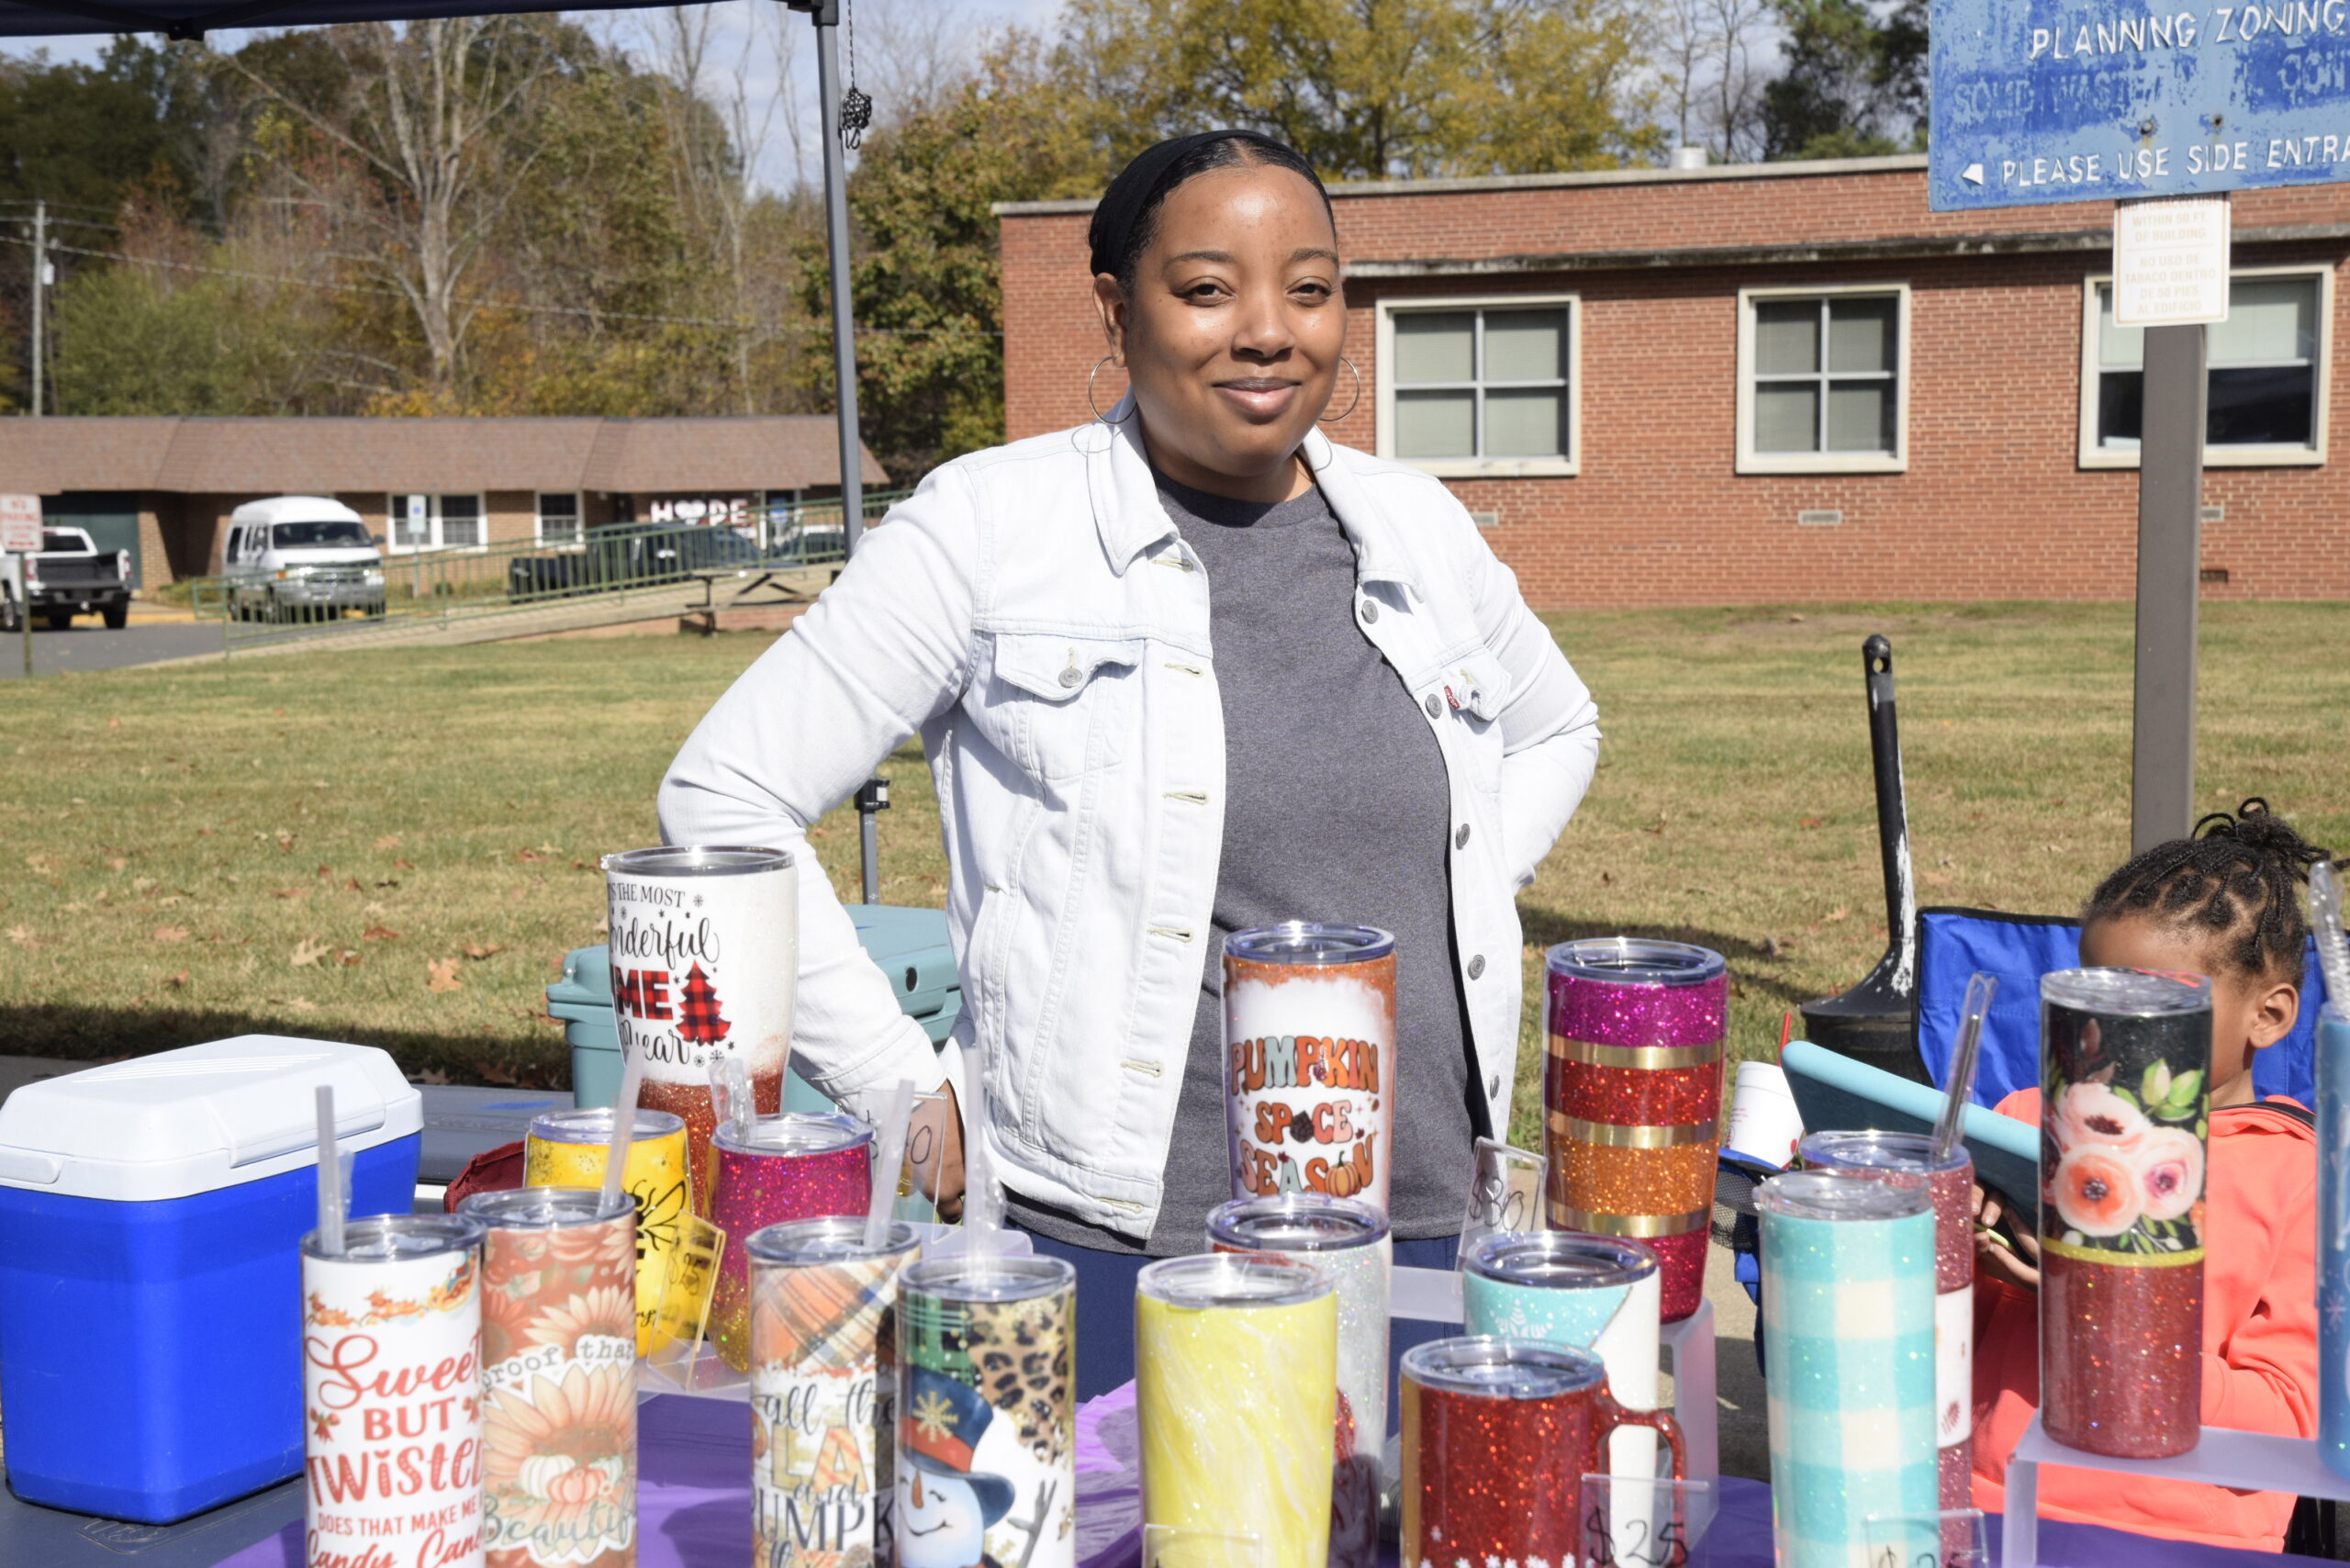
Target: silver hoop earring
[(1088, 393), (1351, 406)]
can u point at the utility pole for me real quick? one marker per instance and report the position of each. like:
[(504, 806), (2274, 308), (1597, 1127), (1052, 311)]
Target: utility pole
[(873, 795), (41, 285)]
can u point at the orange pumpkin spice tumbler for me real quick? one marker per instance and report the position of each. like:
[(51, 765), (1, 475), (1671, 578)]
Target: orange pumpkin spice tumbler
[(1309, 1031)]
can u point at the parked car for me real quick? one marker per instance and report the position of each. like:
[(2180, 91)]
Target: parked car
[(300, 558), (68, 577), (628, 556)]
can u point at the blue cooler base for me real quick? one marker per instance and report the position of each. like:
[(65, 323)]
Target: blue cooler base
[(151, 1358)]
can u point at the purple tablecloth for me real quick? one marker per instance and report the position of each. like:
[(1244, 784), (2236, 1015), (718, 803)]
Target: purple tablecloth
[(694, 1501)]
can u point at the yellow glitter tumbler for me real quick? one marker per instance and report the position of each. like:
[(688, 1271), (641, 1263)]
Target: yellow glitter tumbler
[(1236, 1388), (566, 1149)]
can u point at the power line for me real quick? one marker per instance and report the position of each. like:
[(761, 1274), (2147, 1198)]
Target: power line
[(523, 307)]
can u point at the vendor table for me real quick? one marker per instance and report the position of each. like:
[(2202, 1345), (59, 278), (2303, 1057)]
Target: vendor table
[(694, 1504)]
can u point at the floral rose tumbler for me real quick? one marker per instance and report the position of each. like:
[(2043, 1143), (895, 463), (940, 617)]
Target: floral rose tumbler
[(1633, 1092), (558, 1330), (2125, 1058)]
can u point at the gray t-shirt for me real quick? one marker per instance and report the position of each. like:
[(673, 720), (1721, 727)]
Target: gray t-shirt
[(1336, 807)]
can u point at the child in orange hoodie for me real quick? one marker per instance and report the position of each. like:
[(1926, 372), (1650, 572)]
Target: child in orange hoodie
[(2224, 903)]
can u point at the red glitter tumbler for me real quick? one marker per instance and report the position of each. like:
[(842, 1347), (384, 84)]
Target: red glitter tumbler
[(2125, 1059), (1633, 1089)]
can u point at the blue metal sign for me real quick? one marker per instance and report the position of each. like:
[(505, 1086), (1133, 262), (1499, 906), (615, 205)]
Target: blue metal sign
[(2037, 101)]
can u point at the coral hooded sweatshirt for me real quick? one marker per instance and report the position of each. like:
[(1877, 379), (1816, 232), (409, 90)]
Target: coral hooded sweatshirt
[(2259, 1342)]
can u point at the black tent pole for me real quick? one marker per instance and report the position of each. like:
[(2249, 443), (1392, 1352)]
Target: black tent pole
[(873, 795)]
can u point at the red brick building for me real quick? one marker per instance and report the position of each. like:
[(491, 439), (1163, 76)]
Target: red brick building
[(1784, 382)]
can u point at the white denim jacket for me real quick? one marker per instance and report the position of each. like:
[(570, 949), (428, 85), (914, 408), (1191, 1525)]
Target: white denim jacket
[(1034, 614)]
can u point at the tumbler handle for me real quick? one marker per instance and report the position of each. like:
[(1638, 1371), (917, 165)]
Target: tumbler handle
[(1612, 1415)]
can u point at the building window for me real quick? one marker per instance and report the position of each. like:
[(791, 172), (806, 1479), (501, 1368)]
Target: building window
[(559, 517), (437, 522), (2264, 372), (1479, 388), (1823, 380)]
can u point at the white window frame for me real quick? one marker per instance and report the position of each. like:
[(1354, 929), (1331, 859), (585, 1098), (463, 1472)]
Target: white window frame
[(578, 520), (396, 511), (1384, 377), (2092, 455), (1753, 462)]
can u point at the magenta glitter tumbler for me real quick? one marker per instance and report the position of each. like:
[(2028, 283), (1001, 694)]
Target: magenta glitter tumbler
[(1633, 1092), (795, 1166)]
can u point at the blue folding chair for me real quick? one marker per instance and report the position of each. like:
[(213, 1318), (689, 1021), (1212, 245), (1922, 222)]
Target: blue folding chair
[(2020, 948)]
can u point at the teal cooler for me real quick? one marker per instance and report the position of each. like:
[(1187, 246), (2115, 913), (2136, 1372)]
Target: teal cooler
[(909, 945), (152, 1213)]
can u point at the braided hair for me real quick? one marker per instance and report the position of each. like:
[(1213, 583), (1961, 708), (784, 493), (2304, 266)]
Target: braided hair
[(2232, 881)]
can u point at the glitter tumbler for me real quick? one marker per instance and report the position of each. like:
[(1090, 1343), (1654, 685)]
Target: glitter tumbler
[(1950, 1183), (391, 1384), (1348, 1242), (558, 1351), (823, 1391), (2334, 1237), (987, 1414), (1588, 1293), (1498, 1435), (1235, 1355), (797, 1166), (566, 1149), (705, 955), (1848, 1343), (1309, 1033), (1633, 1089), (2125, 1058)]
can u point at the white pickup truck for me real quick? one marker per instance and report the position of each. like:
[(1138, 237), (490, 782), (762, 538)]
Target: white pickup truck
[(70, 576)]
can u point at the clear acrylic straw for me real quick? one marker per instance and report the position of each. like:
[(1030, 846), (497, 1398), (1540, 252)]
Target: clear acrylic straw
[(982, 1202), (2325, 918), (331, 1200), (623, 1127), (888, 1156), (1980, 990)]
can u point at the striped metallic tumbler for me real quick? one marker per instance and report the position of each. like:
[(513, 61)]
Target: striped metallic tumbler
[(1633, 1092)]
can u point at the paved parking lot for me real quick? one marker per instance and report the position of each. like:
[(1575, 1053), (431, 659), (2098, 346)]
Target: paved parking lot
[(89, 646)]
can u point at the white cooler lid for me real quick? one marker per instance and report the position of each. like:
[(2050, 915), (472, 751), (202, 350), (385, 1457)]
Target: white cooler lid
[(199, 1118)]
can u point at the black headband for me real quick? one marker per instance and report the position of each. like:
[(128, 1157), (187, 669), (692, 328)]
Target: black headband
[(1122, 206)]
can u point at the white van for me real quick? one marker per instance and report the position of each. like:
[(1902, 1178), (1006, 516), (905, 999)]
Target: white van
[(300, 558)]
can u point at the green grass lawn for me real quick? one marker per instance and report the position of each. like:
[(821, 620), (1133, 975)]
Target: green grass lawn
[(399, 846)]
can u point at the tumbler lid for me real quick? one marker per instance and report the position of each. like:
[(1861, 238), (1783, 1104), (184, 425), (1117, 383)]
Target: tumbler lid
[(1559, 1259), (1869, 1149), (1845, 1195), (828, 1239), (1502, 1369), (397, 1238), (545, 1208), (1640, 960), (594, 1126), (1309, 942), (1233, 1279), (795, 1132), (1295, 1222), (697, 861), (989, 1277), (2128, 993)]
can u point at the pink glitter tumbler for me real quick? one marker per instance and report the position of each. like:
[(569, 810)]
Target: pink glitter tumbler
[(799, 1165), (1633, 1092)]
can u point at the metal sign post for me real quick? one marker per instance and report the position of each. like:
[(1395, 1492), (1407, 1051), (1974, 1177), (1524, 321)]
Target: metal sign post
[(20, 537), (2034, 106), (873, 795)]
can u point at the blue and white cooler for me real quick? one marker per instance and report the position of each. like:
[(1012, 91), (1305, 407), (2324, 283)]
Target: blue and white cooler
[(150, 1361)]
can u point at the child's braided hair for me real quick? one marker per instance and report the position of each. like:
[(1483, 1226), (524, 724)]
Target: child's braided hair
[(2233, 880)]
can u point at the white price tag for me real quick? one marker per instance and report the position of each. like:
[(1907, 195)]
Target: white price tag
[(1636, 1522)]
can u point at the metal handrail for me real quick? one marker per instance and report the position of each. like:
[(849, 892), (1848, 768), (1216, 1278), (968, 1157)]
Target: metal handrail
[(447, 583)]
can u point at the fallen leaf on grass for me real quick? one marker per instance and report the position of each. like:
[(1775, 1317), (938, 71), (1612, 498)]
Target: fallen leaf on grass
[(432, 1075), (170, 934), (289, 893), (297, 1004), (350, 884), (380, 933), (492, 1073), (476, 950), (40, 863), (402, 865), (525, 855), (440, 975), (324, 871), (1809, 821), (177, 981), (116, 863), (114, 724), (390, 840), (308, 952), (22, 935), (285, 842), (1833, 915)]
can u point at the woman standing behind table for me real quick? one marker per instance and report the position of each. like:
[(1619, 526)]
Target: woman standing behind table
[(1185, 670)]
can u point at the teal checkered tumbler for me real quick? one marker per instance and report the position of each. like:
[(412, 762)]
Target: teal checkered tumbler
[(1848, 1339)]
